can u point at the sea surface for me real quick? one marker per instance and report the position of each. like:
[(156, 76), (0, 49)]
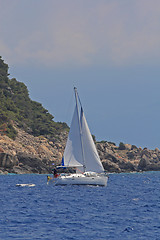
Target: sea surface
[(128, 208)]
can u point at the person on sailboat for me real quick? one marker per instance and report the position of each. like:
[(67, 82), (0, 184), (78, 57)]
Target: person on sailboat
[(55, 173)]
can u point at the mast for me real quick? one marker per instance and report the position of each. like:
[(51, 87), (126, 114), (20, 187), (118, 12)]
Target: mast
[(83, 157)]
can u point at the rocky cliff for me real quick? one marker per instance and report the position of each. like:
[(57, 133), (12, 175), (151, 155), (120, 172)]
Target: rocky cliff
[(128, 158), (29, 154)]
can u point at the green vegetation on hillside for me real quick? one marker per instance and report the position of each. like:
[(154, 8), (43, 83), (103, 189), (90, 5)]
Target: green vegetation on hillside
[(16, 106)]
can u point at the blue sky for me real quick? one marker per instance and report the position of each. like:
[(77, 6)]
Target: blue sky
[(109, 49)]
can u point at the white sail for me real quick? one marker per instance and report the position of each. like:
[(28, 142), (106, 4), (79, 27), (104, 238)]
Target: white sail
[(73, 150), (91, 157)]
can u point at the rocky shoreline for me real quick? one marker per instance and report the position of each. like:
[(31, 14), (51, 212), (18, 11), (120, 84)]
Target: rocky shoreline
[(128, 158), (29, 154)]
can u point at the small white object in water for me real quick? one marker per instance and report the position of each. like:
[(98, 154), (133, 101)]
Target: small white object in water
[(25, 185)]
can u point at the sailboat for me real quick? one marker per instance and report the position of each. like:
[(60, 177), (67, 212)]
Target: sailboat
[(81, 154)]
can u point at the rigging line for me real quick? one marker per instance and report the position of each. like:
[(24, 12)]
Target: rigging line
[(79, 170), (79, 100)]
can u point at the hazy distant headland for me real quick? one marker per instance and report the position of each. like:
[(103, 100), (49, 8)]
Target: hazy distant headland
[(32, 142)]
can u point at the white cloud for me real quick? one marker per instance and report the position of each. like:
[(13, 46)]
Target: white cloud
[(81, 33)]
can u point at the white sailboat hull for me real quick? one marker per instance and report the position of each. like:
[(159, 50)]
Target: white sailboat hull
[(81, 179)]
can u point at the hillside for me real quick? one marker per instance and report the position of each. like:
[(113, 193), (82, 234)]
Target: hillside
[(16, 106)]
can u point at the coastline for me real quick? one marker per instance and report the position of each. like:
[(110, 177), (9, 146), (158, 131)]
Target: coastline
[(29, 154)]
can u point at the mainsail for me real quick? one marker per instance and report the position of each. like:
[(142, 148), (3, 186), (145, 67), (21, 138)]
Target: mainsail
[(80, 150)]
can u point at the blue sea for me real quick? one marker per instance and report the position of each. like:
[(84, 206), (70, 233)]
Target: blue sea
[(128, 208)]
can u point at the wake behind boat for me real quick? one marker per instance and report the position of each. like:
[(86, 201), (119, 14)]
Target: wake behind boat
[(81, 154)]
